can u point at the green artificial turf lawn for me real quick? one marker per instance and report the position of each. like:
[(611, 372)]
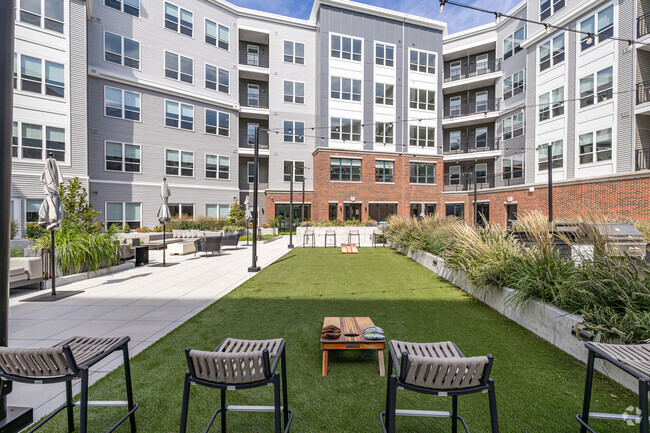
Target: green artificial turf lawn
[(538, 387)]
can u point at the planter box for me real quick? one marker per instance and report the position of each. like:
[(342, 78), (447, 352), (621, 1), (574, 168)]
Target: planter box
[(62, 281), (365, 233), (547, 321)]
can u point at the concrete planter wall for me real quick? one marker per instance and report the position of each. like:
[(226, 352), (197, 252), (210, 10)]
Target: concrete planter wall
[(62, 281), (365, 233), (547, 321)]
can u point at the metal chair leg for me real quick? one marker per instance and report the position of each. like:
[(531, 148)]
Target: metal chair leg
[(493, 407), (454, 414), (276, 394), (83, 421), (186, 402), (285, 393), (391, 414), (587, 397), (129, 389), (223, 411), (643, 403), (68, 397)]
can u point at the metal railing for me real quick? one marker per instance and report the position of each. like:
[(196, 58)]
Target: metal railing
[(643, 159), (643, 92), (515, 177), (253, 100), (253, 59), (472, 146), (643, 25), (248, 141), (474, 70), (465, 182), (466, 109)]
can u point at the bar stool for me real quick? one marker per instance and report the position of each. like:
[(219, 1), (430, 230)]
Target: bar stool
[(331, 234), (309, 234), (378, 234), (352, 233)]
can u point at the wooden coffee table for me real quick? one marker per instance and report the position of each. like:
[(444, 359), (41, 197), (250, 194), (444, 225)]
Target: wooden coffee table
[(351, 339)]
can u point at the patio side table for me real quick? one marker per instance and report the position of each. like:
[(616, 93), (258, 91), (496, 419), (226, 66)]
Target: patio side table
[(141, 255), (351, 338)]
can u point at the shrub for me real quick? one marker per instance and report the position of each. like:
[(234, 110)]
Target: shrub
[(12, 229), (201, 223), (17, 252), (32, 231), (236, 212), (79, 211)]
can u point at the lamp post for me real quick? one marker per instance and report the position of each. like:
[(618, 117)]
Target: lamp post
[(302, 205), (254, 267), (293, 163), (475, 200), (550, 182)]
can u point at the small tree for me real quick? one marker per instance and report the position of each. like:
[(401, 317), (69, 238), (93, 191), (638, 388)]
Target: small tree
[(79, 211), (236, 212)]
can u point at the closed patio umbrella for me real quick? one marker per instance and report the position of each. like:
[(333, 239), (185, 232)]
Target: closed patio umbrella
[(248, 216), (51, 212), (163, 212)]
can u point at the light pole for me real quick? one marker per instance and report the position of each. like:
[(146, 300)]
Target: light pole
[(293, 163), (254, 267), (302, 205)]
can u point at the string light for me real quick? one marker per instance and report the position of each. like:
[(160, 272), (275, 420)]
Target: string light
[(497, 17), (590, 39), (547, 28), (442, 5)]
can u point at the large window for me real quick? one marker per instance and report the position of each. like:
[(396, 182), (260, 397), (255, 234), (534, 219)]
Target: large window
[(332, 211), (123, 51), (551, 52), (294, 131), (217, 167), (384, 171), (122, 157), (294, 52), (480, 173), (345, 129), (512, 43), (294, 91), (131, 7), (545, 112), (217, 34), (121, 104), (217, 79), (605, 87), (557, 157), (549, 7), (346, 89), (513, 167), (586, 91), (14, 140), (345, 169), (185, 210), (423, 136), (179, 115), (32, 208), (179, 67), (384, 94), (33, 141), (381, 211), (602, 151), (597, 28), (124, 214), (345, 48), (384, 54), (179, 19), (422, 61), (455, 209), (48, 14), (421, 99), (514, 84), (513, 126), (179, 163), (423, 172), (384, 132), (32, 71), (220, 211), (217, 122), (298, 168)]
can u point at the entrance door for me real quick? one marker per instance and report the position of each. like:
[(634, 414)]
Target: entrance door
[(511, 215), (253, 95), (253, 55), (352, 211), (483, 214)]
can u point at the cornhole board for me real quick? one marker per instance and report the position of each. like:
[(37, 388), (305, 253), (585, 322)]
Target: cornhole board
[(349, 249), (351, 339)]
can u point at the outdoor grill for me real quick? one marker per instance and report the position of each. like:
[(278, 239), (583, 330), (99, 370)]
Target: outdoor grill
[(620, 239)]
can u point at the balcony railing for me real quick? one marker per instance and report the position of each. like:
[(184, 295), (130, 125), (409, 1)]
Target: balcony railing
[(471, 146), (466, 109), (643, 159), (474, 70), (248, 141), (643, 25), (643, 92), (253, 100), (253, 59), (515, 177), (465, 182)]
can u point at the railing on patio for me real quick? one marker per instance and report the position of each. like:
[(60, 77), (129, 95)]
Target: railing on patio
[(465, 182), (643, 92), (643, 25), (473, 70), (515, 177), (471, 146), (466, 109), (643, 159), (253, 100), (253, 59), (248, 141)]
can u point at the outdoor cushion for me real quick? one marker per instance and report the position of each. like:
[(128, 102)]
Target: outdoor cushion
[(195, 234), (176, 233), (16, 271), (19, 277)]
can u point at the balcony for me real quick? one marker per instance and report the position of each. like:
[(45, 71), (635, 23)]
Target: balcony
[(643, 93), (460, 114), (248, 141), (253, 100), (643, 159), (254, 60), (515, 177), (464, 182), (472, 76), (473, 146), (642, 25)]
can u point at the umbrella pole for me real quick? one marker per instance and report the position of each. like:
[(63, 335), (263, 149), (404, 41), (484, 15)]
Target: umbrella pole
[(53, 264), (164, 242)]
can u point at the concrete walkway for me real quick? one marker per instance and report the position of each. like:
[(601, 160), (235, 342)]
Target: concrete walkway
[(144, 303)]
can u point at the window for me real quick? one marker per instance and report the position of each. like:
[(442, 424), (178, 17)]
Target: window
[(294, 52), (605, 83), (122, 157), (455, 209), (352, 211), (217, 167), (454, 175), (514, 84), (455, 70), (558, 49), (422, 209), (14, 139), (544, 107), (346, 48), (422, 136), (131, 7), (381, 211), (421, 99), (587, 29), (480, 173), (53, 16), (185, 210), (513, 126), (481, 137), (124, 214), (121, 104), (605, 23), (558, 101), (384, 55), (294, 131), (345, 169), (423, 172), (217, 122), (346, 89), (219, 211), (217, 34), (508, 47), (15, 71), (454, 106), (250, 172), (454, 140), (556, 157), (54, 79), (545, 56), (384, 132), (482, 64), (481, 101), (31, 74), (545, 52), (179, 163), (384, 171), (172, 16), (217, 79), (603, 149), (586, 91), (32, 208), (384, 94), (123, 51), (512, 43), (294, 92), (31, 141), (332, 211), (545, 8), (298, 171), (513, 167), (172, 112), (175, 63), (345, 129), (421, 61)]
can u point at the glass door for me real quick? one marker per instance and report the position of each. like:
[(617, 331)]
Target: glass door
[(482, 64), (252, 55), (455, 71), (253, 95), (252, 128)]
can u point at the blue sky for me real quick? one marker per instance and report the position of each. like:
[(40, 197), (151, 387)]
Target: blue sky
[(456, 18)]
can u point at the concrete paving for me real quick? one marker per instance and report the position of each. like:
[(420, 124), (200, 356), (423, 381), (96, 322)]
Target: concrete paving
[(144, 303)]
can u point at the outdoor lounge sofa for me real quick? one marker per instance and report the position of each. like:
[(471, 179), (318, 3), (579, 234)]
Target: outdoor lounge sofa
[(25, 271), (230, 239), (208, 244)]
